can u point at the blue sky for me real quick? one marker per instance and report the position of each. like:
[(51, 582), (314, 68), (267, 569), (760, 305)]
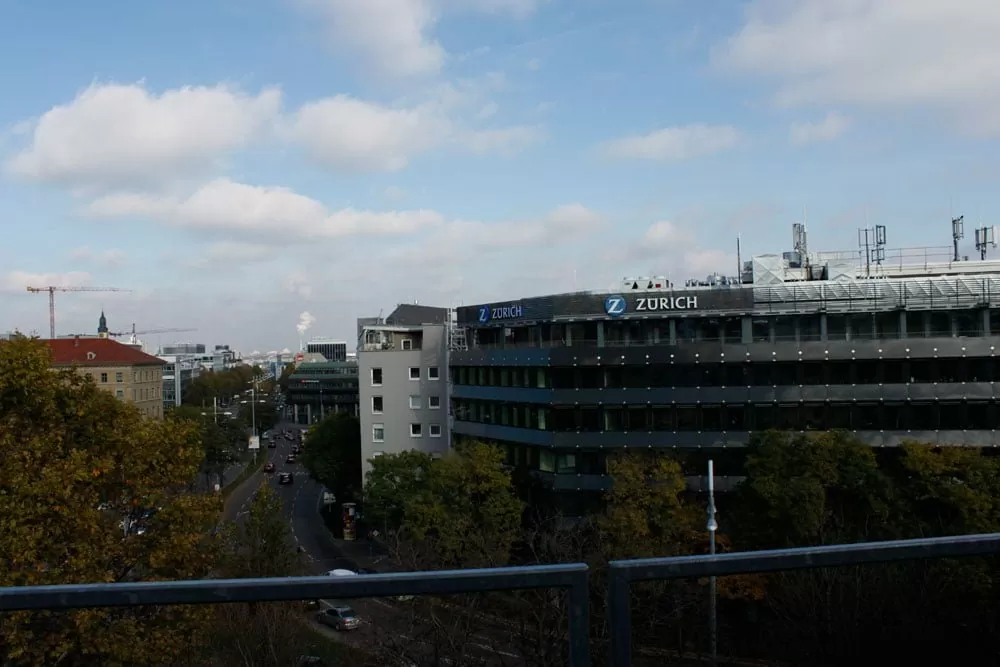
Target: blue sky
[(238, 163)]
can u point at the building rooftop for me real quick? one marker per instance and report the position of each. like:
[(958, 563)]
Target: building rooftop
[(413, 315), (98, 352)]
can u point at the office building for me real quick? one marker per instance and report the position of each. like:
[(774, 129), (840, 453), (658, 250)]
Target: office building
[(403, 388), (332, 350), (183, 348), (893, 345), (179, 371), (130, 374), (318, 388)]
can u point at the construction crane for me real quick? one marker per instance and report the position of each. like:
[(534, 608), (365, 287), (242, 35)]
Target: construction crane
[(52, 289), (133, 334)]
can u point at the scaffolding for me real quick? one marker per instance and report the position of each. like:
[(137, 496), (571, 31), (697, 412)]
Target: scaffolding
[(457, 341)]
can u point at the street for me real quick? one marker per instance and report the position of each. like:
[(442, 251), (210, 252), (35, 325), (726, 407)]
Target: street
[(385, 623)]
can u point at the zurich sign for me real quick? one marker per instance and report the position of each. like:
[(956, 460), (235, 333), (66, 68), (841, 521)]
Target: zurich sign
[(484, 314), (614, 305)]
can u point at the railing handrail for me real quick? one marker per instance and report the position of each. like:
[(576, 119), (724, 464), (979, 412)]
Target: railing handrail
[(622, 573), (572, 576)]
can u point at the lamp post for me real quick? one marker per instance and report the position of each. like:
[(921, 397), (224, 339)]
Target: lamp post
[(712, 527)]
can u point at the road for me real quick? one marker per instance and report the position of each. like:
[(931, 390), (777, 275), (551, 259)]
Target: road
[(385, 622)]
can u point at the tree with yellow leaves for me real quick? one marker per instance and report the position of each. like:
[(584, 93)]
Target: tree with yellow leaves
[(91, 492)]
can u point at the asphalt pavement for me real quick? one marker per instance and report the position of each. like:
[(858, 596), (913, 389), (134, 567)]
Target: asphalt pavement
[(384, 622)]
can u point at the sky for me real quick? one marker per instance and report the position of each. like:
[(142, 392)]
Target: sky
[(237, 163)]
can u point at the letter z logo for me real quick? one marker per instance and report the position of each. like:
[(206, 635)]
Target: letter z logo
[(614, 305), (484, 314)]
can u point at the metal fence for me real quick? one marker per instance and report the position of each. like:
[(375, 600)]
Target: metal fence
[(623, 573), (573, 578), (570, 577)]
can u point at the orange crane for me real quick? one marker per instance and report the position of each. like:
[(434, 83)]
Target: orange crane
[(133, 334), (52, 289)]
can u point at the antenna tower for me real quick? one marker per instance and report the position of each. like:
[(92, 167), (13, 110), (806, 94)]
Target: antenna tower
[(957, 232), (871, 241), (985, 238)]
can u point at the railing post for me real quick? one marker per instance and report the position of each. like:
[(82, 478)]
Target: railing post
[(579, 620), (619, 616)]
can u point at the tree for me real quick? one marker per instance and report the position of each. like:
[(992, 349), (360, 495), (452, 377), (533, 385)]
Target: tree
[(458, 511), (332, 455), (81, 471), (263, 415), (223, 439), (219, 385), (261, 545), (286, 373)]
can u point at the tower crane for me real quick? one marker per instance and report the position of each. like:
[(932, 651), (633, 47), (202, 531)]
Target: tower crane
[(133, 334), (52, 289)]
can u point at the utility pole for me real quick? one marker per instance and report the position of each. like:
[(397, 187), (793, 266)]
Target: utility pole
[(712, 527)]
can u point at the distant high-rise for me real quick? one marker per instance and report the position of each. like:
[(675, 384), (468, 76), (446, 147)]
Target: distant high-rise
[(184, 348), (332, 350)]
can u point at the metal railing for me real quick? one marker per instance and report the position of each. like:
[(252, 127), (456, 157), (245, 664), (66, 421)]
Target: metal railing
[(623, 573), (571, 577)]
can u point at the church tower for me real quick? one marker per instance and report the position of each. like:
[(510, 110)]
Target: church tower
[(102, 326)]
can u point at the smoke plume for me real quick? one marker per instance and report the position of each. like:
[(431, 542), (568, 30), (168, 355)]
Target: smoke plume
[(305, 321)]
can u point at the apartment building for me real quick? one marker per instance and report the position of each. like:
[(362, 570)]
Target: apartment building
[(130, 374), (403, 387)]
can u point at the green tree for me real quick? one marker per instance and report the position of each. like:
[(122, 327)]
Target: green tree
[(264, 414), (286, 373), (393, 480), (81, 471), (223, 439), (260, 545), (220, 386), (458, 511), (332, 455), (811, 489), (646, 513)]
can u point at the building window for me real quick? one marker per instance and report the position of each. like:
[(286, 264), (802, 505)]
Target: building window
[(435, 430), (416, 430), (414, 402), (434, 402), (119, 377), (414, 373), (120, 393), (376, 377), (377, 405), (407, 344), (378, 432), (104, 378), (432, 373)]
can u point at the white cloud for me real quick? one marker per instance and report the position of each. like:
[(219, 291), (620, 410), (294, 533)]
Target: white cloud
[(348, 134), (828, 129), (19, 281), (488, 110), (224, 205), (298, 284), (534, 64), (506, 140), (114, 133), (673, 144), (875, 53), (672, 250), (393, 36), (111, 258), (228, 252), (473, 241)]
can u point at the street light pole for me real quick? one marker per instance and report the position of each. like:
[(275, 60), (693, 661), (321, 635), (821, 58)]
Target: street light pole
[(253, 417), (712, 527)]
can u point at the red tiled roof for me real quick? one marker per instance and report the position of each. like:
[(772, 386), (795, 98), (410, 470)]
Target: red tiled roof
[(98, 352)]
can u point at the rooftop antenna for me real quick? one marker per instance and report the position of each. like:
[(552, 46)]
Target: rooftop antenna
[(985, 238), (872, 241), (957, 233), (739, 260)]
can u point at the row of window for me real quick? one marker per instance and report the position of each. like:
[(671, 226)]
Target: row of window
[(909, 416), (746, 329), (137, 376), (736, 374), (433, 373), (416, 403), (141, 394), (416, 431)]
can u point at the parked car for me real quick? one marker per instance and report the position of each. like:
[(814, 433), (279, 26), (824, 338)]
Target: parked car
[(339, 617), (290, 458), (268, 467)]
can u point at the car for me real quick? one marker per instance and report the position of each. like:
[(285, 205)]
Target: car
[(290, 458), (295, 449), (286, 478), (268, 467), (271, 444), (339, 617)]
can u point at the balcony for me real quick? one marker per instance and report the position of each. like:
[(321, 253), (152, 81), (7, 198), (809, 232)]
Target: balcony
[(572, 643)]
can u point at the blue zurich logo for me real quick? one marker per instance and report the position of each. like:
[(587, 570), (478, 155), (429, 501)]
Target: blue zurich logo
[(484, 314), (614, 305)]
